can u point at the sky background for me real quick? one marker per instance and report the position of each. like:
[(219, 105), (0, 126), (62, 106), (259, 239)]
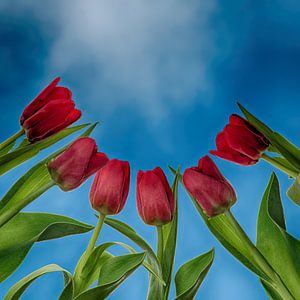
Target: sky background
[(163, 78)]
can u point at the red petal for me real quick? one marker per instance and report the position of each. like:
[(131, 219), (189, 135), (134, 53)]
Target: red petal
[(213, 196), (207, 166), (152, 200), (160, 173), (39, 101), (68, 169)]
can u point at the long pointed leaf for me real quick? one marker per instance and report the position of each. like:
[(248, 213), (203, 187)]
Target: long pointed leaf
[(190, 275), (28, 187), (113, 272), (19, 234), (170, 239), (281, 250), (20, 155), (19, 288), (155, 285)]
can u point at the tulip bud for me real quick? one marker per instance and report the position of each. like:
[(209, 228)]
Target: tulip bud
[(50, 112), (79, 161), (208, 186), (240, 142), (154, 197), (110, 187)]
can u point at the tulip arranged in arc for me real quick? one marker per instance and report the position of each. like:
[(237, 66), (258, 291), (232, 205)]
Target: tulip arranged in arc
[(154, 197), (110, 187), (209, 187), (240, 142), (50, 112), (79, 161)]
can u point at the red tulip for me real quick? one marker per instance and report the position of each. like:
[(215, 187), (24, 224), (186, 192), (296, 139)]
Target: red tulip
[(50, 112), (240, 142), (208, 186), (154, 197), (110, 187), (79, 161)]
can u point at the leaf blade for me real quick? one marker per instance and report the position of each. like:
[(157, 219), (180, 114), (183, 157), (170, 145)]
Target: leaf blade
[(190, 275)]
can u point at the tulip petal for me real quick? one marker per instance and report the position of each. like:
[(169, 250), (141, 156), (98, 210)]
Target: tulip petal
[(224, 151), (207, 166), (213, 196), (39, 101), (68, 169), (244, 141), (107, 192), (160, 173), (152, 200)]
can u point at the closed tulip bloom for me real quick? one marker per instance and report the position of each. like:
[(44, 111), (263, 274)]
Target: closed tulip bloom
[(154, 197), (240, 142), (110, 187), (79, 161), (50, 112), (208, 186)]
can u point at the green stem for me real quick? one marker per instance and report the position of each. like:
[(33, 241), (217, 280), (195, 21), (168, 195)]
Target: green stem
[(11, 139), (80, 283), (160, 245), (261, 262), (9, 211), (279, 166), (95, 235)]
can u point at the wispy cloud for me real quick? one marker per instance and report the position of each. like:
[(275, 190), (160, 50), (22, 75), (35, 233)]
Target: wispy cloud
[(152, 55)]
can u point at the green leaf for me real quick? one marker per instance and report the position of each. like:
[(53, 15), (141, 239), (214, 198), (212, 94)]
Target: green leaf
[(280, 249), (170, 238), (19, 234), (113, 272), (155, 285), (19, 288), (280, 143), (7, 148), (20, 155), (223, 229), (30, 186), (190, 275), (88, 268), (294, 191)]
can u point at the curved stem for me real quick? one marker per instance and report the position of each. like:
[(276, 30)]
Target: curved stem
[(12, 139), (261, 262), (279, 166), (160, 245)]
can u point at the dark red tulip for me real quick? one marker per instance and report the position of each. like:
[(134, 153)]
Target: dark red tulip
[(79, 161), (209, 187), (110, 187), (50, 112), (240, 142), (154, 197)]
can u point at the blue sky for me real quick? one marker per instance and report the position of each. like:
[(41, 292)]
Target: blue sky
[(163, 78)]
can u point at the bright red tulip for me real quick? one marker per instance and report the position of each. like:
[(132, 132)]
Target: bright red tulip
[(209, 187), (154, 197), (110, 187), (240, 142), (79, 161), (50, 112)]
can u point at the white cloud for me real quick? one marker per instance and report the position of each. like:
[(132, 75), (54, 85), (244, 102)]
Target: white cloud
[(150, 54)]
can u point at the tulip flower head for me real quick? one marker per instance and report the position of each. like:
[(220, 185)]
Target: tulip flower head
[(240, 142), (209, 187), (110, 187), (50, 112), (79, 161), (154, 197)]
